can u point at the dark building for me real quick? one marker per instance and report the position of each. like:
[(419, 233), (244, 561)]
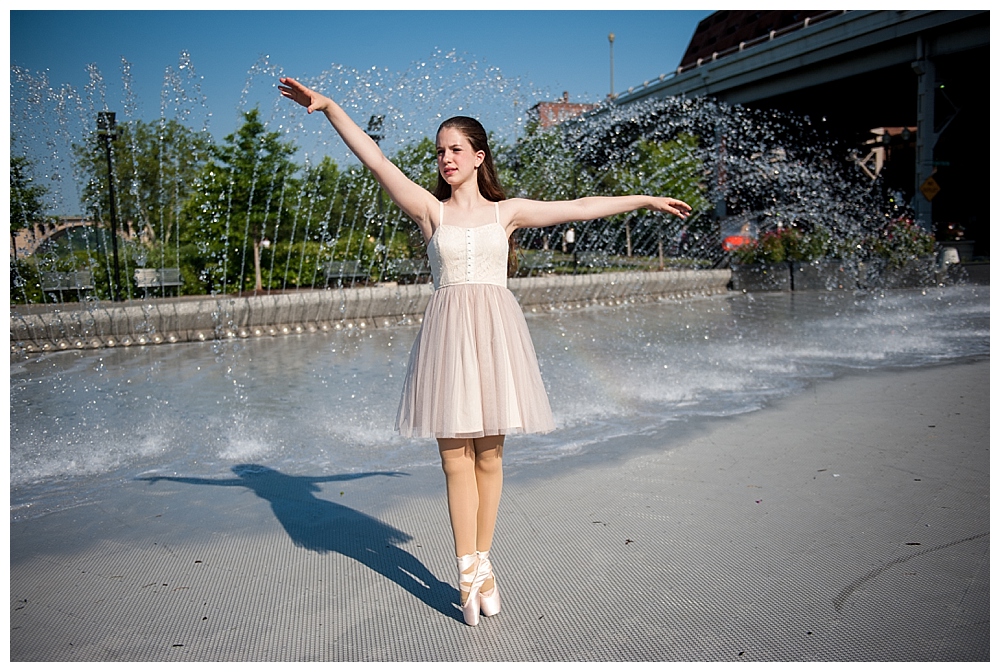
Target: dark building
[(552, 113), (915, 82), (726, 30)]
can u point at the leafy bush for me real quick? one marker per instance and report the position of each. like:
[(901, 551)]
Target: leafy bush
[(900, 241), (787, 244)]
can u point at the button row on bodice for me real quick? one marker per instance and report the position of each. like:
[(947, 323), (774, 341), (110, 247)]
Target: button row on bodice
[(469, 255)]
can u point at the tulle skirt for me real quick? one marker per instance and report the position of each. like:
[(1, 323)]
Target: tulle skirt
[(472, 369)]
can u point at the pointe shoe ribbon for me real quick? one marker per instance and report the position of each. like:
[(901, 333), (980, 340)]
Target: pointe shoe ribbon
[(489, 601), (470, 580)]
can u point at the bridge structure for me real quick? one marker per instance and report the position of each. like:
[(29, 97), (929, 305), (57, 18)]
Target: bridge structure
[(27, 240), (861, 72)]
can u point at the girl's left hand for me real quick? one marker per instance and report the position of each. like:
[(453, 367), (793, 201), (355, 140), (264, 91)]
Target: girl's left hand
[(672, 206)]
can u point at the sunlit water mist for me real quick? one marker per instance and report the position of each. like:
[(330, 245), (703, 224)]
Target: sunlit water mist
[(49, 118), (82, 422), (762, 169)]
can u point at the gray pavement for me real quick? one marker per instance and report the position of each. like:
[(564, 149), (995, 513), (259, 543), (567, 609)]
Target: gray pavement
[(849, 522)]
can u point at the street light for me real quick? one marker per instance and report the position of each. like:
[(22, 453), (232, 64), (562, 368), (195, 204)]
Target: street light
[(374, 132), (106, 129), (611, 44)]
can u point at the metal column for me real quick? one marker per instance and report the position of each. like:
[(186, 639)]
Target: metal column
[(926, 137)]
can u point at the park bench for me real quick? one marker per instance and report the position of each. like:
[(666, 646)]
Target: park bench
[(65, 281), (345, 273), (592, 259), (411, 270), (149, 278), (535, 261)]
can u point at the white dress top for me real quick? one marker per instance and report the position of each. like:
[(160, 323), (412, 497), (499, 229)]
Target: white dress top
[(474, 255)]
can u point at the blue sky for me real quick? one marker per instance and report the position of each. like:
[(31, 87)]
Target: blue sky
[(546, 51), (554, 50)]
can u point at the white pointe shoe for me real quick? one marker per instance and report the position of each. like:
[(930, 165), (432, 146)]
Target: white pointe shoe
[(489, 602), (470, 578)]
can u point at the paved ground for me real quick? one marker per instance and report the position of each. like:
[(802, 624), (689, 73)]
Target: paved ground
[(850, 522)]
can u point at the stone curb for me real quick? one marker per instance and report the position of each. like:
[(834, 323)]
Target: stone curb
[(104, 324)]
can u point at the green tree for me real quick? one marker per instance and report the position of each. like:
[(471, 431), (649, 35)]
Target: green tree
[(418, 161), (359, 221), (239, 196), (667, 168), (542, 166), (154, 165), (27, 206), (400, 234), (670, 168), (323, 198)]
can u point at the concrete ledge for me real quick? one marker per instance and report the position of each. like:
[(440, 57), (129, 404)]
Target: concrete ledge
[(103, 324)]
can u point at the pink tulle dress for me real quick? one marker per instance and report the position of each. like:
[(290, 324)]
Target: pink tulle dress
[(472, 370)]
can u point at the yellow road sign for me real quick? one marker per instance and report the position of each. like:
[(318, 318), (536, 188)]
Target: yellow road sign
[(930, 188)]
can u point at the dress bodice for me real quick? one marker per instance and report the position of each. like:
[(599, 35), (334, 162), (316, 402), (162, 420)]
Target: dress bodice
[(460, 255)]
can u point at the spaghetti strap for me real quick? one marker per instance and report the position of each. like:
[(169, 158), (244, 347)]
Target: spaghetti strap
[(496, 205)]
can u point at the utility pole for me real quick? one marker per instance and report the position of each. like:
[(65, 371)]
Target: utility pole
[(106, 129), (611, 43)]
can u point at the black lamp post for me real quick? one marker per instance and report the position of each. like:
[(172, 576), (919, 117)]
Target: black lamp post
[(611, 44), (374, 132), (106, 129)]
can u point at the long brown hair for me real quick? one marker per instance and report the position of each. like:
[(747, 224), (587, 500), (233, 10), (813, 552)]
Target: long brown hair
[(486, 174)]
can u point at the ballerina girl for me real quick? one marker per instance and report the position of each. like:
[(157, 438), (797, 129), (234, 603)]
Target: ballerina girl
[(472, 376)]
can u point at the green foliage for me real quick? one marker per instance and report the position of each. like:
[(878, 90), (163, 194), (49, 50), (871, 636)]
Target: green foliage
[(202, 207), (660, 168), (786, 244), (237, 197), (25, 285), (320, 206), (26, 196), (153, 164), (293, 264), (418, 161), (817, 244), (900, 241), (772, 248), (541, 166)]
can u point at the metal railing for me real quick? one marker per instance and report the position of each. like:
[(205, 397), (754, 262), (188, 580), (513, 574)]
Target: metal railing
[(741, 47)]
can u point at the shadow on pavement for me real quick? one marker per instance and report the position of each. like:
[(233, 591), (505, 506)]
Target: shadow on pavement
[(327, 527)]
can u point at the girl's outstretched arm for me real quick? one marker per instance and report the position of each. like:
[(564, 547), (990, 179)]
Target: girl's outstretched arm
[(523, 213), (414, 200)]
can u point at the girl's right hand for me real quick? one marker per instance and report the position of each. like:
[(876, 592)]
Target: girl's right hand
[(303, 95)]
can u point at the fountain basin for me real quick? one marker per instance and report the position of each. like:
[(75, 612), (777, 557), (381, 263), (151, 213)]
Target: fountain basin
[(919, 272), (838, 274), (824, 274), (762, 277), (152, 322)]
